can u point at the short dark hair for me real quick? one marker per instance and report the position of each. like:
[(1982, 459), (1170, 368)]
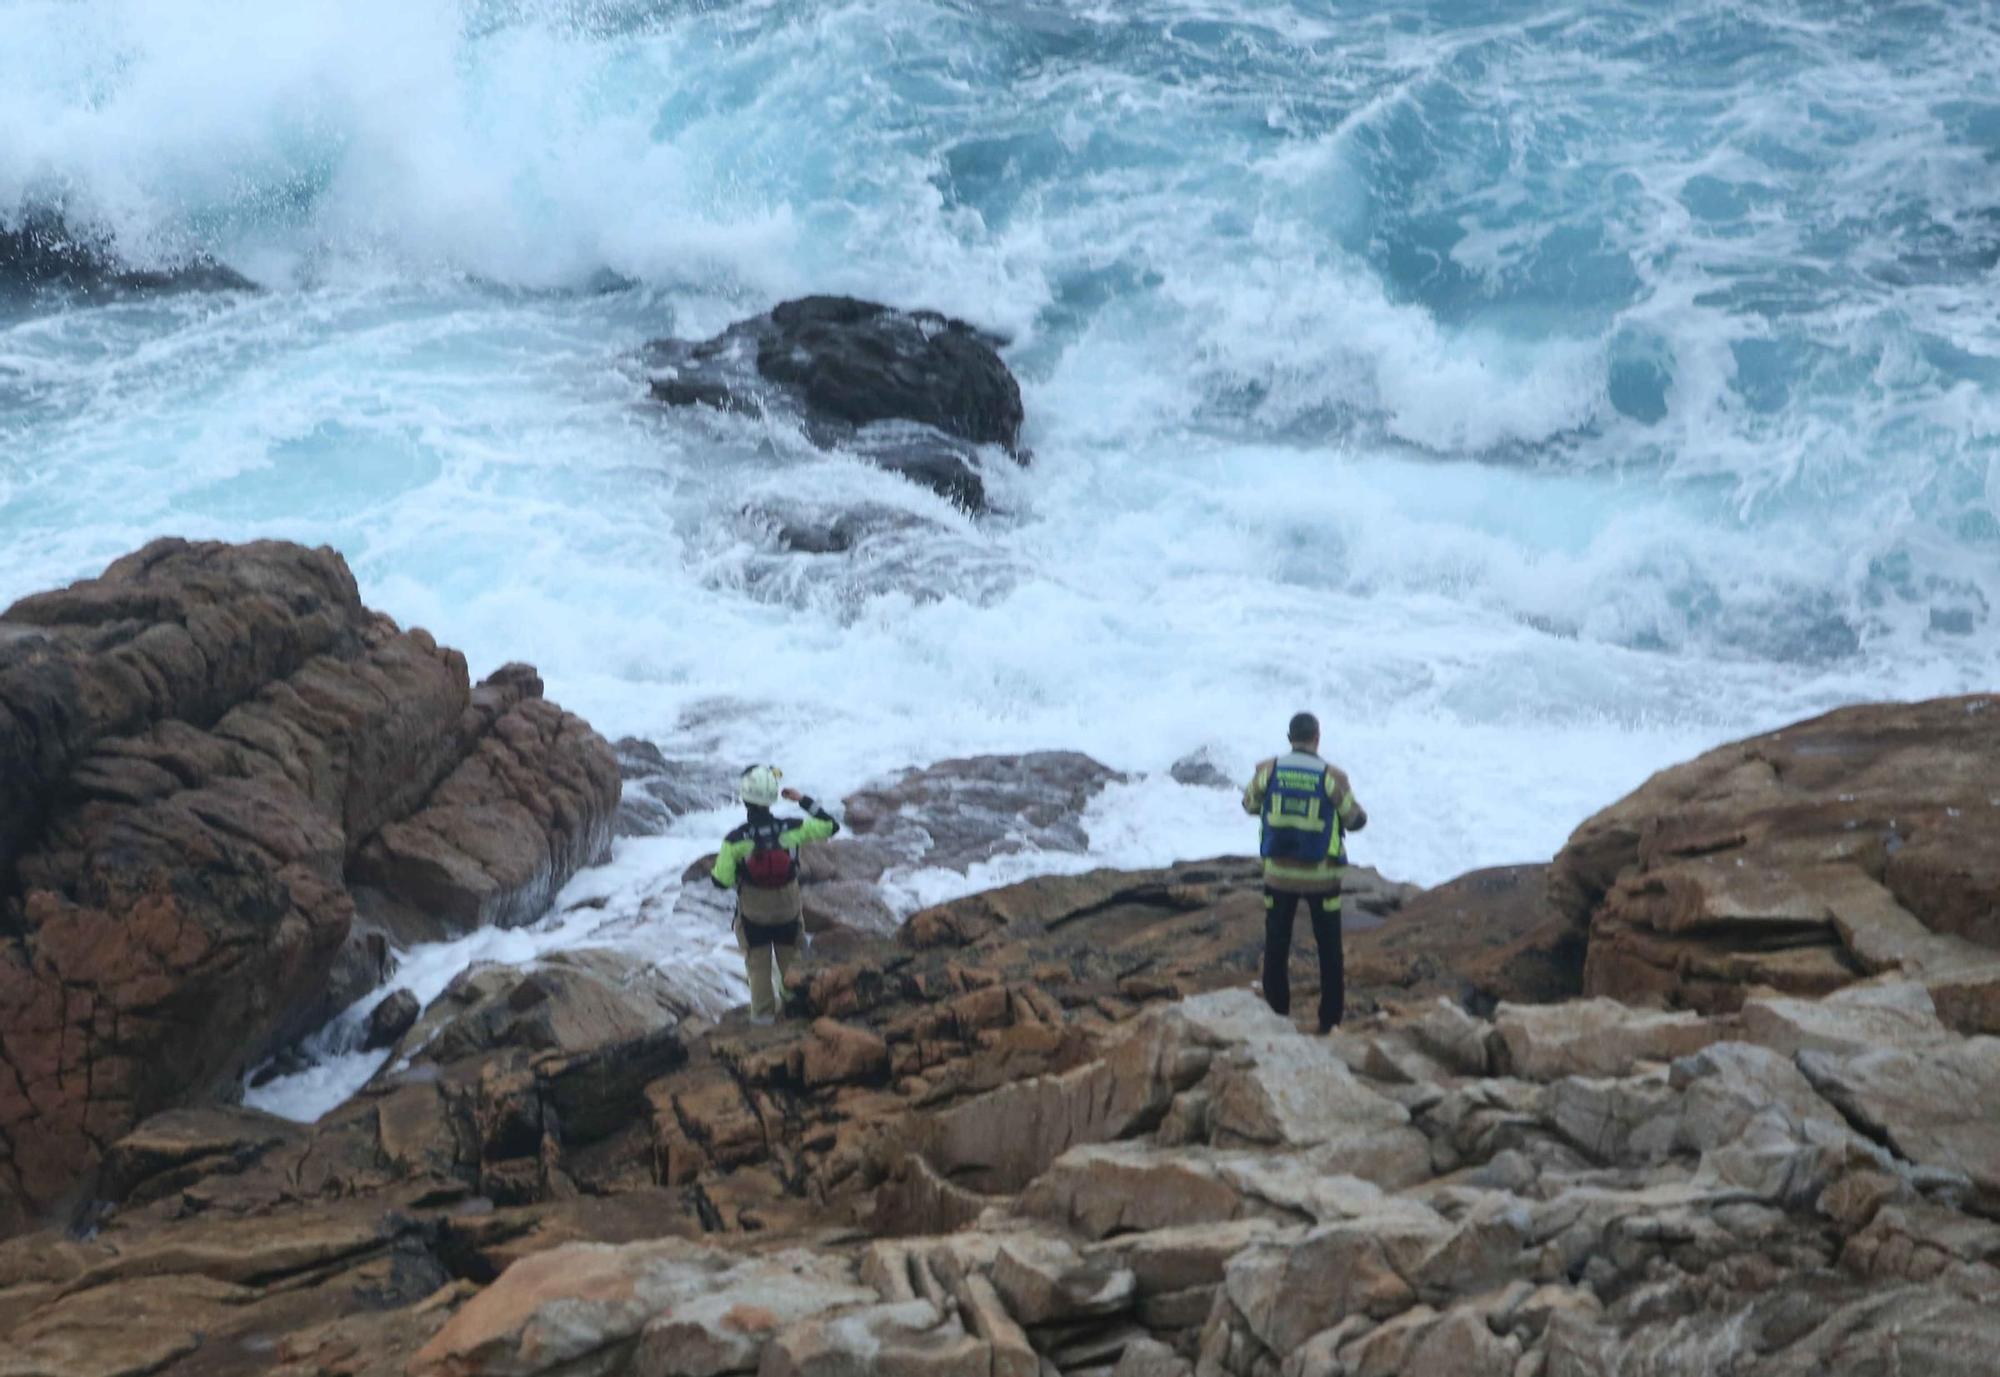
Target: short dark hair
[(1305, 727)]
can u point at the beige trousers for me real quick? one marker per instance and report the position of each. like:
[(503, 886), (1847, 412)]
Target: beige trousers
[(766, 966)]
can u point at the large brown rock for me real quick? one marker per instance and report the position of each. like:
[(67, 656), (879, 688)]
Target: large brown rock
[(1860, 842), (197, 750)]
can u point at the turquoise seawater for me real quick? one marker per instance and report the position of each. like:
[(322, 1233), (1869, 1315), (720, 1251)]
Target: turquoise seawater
[(1543, 392)]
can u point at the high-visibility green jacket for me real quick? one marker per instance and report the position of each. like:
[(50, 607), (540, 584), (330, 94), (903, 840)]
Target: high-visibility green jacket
[(1324, 877), (770, 907)]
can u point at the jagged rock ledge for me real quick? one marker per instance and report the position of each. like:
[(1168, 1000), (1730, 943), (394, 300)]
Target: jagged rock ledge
[(226, 787)]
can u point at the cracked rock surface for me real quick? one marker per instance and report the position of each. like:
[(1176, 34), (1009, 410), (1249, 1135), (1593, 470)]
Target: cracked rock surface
[(220, 776), (1047, 1131), (1862, 842)]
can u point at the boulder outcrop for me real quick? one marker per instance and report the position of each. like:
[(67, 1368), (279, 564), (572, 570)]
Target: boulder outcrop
[(218, 769), (914, 392), (40, 255), (1862, 842)]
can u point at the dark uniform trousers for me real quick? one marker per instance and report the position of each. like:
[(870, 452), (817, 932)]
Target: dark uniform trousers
[(1280, 909)]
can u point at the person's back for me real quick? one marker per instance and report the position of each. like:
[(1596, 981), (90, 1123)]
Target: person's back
[(760, 862), (1306, 807)]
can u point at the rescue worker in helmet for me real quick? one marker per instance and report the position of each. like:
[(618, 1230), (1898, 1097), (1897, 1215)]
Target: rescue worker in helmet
[(760, 861), (1306, 807)]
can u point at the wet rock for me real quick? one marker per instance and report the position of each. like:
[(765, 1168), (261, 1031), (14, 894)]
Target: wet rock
[(1201, 771), (1860, 842), (952, 816), (196, 750), (958, 813), (809, 530), (660, 789), (390, 1020), (914, 392), (40, 255)]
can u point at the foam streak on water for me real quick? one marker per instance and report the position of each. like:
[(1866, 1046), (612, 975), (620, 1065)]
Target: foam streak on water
[(1542, 392)]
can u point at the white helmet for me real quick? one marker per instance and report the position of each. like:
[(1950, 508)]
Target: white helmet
[(759, 785)]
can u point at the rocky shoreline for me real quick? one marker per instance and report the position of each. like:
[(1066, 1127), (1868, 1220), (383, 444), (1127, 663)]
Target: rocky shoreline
[(1716, 1090)]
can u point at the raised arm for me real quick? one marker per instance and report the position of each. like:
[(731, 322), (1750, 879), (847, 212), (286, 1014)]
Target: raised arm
[(817, 827)]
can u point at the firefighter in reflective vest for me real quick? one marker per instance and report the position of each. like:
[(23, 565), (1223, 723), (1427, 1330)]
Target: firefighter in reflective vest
[(1306, 807), (760, 861)]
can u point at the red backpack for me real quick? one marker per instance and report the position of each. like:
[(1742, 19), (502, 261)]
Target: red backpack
[(770, 865)]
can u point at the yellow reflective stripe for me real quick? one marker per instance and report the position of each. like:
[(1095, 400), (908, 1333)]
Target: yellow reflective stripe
[(1304, 872), (1305, 816)]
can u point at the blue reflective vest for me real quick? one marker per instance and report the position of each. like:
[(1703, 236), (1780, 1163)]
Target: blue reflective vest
[(1301, 824)]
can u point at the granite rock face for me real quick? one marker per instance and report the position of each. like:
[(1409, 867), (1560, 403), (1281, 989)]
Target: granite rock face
[(1862, 842), (219, 772)]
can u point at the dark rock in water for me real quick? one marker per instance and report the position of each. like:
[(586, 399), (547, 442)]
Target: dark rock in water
[(913, 391), (946, 466), (808, 531), (42, 255), (863, 362), (949, 816), (392, 1018), (219, 770), (958, 813), (1199, 771), (364, 962), (659, 788), (287, 1061)]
